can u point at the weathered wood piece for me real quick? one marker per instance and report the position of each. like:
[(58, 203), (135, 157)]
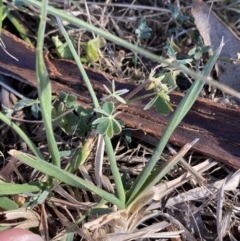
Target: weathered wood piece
[(217, 126)]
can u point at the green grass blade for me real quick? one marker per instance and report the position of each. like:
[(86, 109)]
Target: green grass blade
[(18, 27), (22, 134), (13, 188), (44, 88), (64, 176), (176, 118), (7, 204)]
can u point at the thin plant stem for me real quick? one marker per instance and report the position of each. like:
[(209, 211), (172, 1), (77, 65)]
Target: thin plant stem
[(114, 169), (44, 88)]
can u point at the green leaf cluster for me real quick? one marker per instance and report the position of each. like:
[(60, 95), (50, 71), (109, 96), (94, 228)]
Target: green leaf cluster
[(76, 121), (142, 31), (161, 100), (198, 50), (176, 13), (91, 48)]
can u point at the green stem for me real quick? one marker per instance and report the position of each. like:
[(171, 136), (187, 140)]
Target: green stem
[(114, 169), (79, 64), (44, 88), (140, 97)]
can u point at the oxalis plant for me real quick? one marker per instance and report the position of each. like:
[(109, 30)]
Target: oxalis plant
[(106, 123)]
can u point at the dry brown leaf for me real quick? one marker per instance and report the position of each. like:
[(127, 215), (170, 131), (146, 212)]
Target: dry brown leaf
[(43, 227), (19, 199), (20, 213), (27, 224), (97, 223), (212, 30), (21, 218)]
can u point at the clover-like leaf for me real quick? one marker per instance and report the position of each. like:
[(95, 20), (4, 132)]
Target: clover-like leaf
[(170, 78), (184, 61), (25, 103), (107, 124), (116, 127), (109, 132), (174, 11), (72, 123), (99, 120), (174, 47), (98, 42), (69, 99), (155, 82), (192, 51), (162, 104), (171, 52), (206, 48), (35, 109), (103, 126), (92, 53), (108, 107)]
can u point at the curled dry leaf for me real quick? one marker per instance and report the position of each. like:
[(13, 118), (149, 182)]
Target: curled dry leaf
[(21, 218), (213, 30)]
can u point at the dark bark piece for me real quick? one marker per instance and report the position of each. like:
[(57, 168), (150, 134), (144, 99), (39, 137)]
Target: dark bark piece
[(217, 126)]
